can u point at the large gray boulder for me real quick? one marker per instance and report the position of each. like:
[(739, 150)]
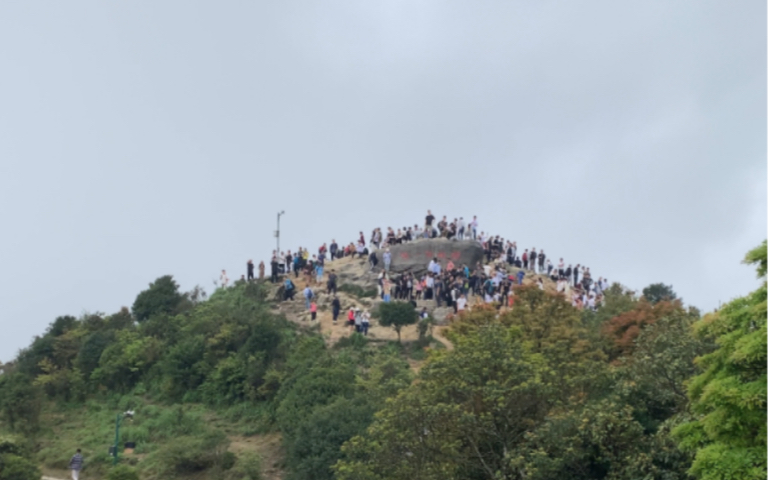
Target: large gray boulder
[(415, 256)]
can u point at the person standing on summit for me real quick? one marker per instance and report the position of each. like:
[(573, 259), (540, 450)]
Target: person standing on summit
[(428, 224), (473, 227), (273, 267), (250, 270), (460, 228)]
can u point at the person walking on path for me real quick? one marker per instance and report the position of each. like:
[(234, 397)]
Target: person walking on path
[(76, 464), (366, 322), (308, 296), (336, 306), (332, 282), (313, 310)]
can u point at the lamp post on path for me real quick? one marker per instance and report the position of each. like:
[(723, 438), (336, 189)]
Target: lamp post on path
[(277, 232), (120, 416)]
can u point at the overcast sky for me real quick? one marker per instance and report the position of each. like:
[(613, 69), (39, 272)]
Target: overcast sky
[(139, 139)]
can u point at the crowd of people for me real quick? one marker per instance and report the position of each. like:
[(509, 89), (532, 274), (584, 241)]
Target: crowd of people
[(446, 283)]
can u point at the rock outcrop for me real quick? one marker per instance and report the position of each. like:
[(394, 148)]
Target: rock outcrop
[(415, 256)]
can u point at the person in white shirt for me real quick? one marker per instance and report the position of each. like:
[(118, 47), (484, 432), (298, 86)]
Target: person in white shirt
[(473, 227), (429, 294), (497, 297), (461, 303), (223, 279), (460, 228)]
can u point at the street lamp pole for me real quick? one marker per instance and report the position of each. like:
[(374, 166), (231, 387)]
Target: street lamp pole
[(117, 437), (120, 416), (277, 232)]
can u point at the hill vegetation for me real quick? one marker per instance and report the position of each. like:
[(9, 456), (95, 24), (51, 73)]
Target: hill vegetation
[(226, 387)]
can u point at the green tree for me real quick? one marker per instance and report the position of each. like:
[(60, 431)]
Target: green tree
[(15, 461), (316, 445), (657, 292), (318, 440), (471, 406), (20, 402), (126, 360), (728, 434), (162, 296), (91, 349), (396, 315), (320, 385), (61, 325), (654, 377)]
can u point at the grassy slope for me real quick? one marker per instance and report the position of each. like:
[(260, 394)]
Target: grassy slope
[(91, 426)]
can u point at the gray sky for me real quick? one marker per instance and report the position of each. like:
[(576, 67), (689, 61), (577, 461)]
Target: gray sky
[(144, 138)]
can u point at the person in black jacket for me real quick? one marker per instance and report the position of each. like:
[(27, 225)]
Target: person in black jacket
[(273, 267), (336, 308), (333, 249), (332, 282), (250, 270)]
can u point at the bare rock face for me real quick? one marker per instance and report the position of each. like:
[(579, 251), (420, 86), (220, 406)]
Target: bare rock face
[(415, 256), (442, 315)]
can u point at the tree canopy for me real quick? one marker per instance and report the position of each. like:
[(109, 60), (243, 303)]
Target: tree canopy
[(728, 434)]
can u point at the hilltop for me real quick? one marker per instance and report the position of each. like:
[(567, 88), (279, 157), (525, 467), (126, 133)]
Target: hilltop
[(244, 385)]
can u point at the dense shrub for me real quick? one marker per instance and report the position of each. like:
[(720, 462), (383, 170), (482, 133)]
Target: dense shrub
[(162, 296), (122, 472), (15, 460), (190, 454)]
